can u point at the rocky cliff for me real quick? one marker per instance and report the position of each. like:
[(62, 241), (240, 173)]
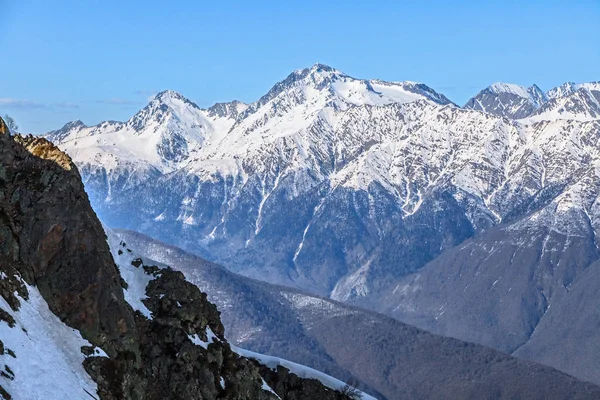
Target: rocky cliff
[(51, 243)]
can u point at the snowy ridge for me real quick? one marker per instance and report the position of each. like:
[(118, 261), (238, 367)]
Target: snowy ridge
[(172, 130), (570, 87), (583, 104), (533, 93), (300, 370)]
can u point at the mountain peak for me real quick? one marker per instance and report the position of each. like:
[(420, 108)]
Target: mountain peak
[(501, 87), (168, 95), (75, 124), (62, 133), (322, 67), (316, 72), (508, 100), (171, 97)]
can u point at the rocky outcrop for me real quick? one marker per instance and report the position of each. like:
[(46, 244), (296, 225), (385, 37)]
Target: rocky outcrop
[(179, 367), (296, 388), (50, 238), (50, 234)]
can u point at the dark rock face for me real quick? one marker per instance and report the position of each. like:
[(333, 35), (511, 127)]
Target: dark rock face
[(50, 237), (178, 368), (49, 229)]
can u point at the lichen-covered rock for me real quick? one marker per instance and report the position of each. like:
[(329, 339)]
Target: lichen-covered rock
[(3, 127)]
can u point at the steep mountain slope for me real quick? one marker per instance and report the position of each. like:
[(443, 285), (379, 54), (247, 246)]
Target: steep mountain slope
[(390, 356), (508, 100), (67, 327), (507, 279), (567, 336)]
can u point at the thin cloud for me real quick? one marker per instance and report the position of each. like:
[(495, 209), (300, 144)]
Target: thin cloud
[(118, 102), (149, 94), (21, 104), (145, 92), (67, 105)]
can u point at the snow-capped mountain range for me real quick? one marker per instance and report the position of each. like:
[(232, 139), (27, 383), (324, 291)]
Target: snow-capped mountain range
[(568, 101), (347, 187)]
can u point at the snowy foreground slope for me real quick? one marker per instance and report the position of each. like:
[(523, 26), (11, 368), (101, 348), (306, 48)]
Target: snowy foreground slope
[(42, 355), (352, 189)]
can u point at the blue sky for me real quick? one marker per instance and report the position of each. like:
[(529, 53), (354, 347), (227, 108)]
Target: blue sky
[(98, 60)]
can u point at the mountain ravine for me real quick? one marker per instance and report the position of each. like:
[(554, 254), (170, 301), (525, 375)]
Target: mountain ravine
[(75, 324)]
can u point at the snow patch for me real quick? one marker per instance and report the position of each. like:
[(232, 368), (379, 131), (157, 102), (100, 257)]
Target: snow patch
[(48, 354), (210, 336)]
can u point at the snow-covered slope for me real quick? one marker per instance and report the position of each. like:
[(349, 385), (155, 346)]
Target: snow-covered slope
[(162, 134), (533, 93), (41, 355)]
